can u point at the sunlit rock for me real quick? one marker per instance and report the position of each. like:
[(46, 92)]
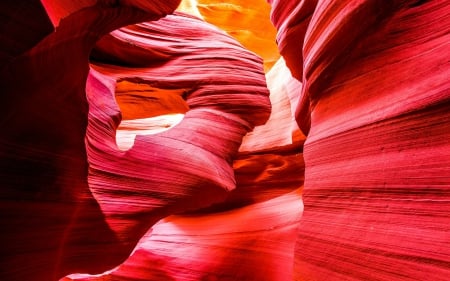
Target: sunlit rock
[(268, 173), (247, 21), (149, 152), (189, 166)]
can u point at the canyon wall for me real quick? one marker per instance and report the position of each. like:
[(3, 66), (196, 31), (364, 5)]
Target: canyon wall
[(246, 140), (375, 106)]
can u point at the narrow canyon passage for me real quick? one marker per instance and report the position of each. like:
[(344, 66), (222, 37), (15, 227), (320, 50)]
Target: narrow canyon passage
[(237, 140)]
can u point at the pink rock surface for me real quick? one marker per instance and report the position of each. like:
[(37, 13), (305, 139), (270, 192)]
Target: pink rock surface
[(72, 200), (254, 242), (235, 238), (377, 156), (92, 180), (189, 166)]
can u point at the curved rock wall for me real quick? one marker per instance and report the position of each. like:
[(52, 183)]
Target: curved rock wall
[(246, 230), (151, 152), (247, 21), (188, 166), (376, 109), (51, 224)]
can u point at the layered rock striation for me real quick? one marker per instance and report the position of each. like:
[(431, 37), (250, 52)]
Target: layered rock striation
[(374, 105), (243, 231), (139, 143)]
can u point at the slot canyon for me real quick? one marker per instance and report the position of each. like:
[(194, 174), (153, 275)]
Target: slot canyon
[(204, 140)]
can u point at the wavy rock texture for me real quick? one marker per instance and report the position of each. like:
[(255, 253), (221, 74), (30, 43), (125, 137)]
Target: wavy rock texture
[(94, 219), (246, 230), (51, 223), (247, 21), (188, 167), (375, 106), (360, 110)]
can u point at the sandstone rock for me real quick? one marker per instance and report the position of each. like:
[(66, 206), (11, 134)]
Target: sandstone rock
[(121, 131), (375, 102)]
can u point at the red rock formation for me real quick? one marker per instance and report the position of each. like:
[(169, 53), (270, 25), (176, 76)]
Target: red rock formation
[(247, 21), (51, 225), (371, 101), (245, 232), (189, 166), (55, 221), (376, 104)]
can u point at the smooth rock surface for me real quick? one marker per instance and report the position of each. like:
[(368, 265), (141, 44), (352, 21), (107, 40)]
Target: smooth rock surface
[(247, 228), (140, 148), (375, 108)]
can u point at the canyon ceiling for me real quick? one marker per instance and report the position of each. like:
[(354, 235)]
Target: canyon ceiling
[(238, 140)]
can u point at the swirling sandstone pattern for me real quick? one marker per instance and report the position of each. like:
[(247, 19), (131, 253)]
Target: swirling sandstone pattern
[(51, 223), (247, 21), (360, 110), (232, 234), (185, 168), (376, 105), (189, 166)]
